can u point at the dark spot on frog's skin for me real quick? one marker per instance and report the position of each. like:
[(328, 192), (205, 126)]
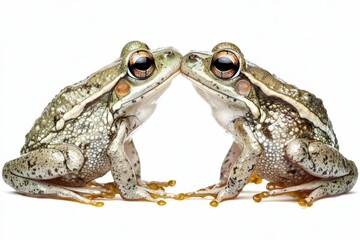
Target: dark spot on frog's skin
[(251, 168), (235, 169), (26, 182), (292, 171), (30, 165), (133, 101), (12, 182), (129, 179), (86, 145), (49, 173)]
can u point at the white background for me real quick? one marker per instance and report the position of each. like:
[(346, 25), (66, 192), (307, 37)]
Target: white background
[(47, 45)]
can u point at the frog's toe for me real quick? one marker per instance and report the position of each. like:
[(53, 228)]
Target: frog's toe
[(157, 185), (258, 197), (303, 202), (107, 188), (255, 179), (94, 192), (147, 194), (306, 193), (219, 193)]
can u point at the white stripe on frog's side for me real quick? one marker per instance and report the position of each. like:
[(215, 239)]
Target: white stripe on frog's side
[(79, 108)]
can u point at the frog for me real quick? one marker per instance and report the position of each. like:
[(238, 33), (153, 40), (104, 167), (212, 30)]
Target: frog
[(87, 131), (281, 133)]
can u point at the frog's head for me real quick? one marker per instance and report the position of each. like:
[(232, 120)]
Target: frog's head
[(144, 75), (218, 77)]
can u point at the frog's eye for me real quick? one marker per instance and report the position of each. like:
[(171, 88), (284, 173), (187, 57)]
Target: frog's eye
[(225, 64), (141, 65)]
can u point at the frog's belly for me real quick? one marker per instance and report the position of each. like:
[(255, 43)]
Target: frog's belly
[(276, 168)]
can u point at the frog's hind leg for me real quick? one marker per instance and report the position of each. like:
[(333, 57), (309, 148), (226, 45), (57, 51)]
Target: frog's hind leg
[(31, 173), (334, 174)]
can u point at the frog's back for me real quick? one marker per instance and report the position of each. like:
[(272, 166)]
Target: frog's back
[(306, 103), (44, 128)]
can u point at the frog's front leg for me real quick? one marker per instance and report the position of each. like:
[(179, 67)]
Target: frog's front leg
[(33, 173), (133, 157), (228, 163), (231, 157), (333, 173), (124, 173), (237, 171)]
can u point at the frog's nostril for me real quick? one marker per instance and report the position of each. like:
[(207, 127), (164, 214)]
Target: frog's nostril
[(169, 53), (192, 58)]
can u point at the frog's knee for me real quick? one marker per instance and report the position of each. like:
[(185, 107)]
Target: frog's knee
[(74, 158), (6, 173), (298, 150), (354, 170)]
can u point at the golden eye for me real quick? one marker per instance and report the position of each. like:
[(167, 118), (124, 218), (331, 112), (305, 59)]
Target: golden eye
[(141, 64), (225, 64)]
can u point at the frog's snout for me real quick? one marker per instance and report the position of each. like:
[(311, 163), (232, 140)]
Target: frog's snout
[(189, 61)]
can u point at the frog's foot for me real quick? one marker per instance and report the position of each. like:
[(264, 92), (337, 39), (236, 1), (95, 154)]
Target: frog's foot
[(109, 187), (147, 194), (334, 174), (255, 179), (307, 193), (155, 185), (219, 192), (93, 192), (303, 192)]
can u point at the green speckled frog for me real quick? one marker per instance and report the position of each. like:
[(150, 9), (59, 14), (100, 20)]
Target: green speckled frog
[(86, 131), (282, 134)]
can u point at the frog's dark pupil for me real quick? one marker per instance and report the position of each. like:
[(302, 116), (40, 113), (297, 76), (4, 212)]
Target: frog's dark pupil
[(224, 64), (143, 63)]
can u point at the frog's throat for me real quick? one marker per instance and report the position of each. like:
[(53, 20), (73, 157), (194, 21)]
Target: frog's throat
[(256, 111)]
